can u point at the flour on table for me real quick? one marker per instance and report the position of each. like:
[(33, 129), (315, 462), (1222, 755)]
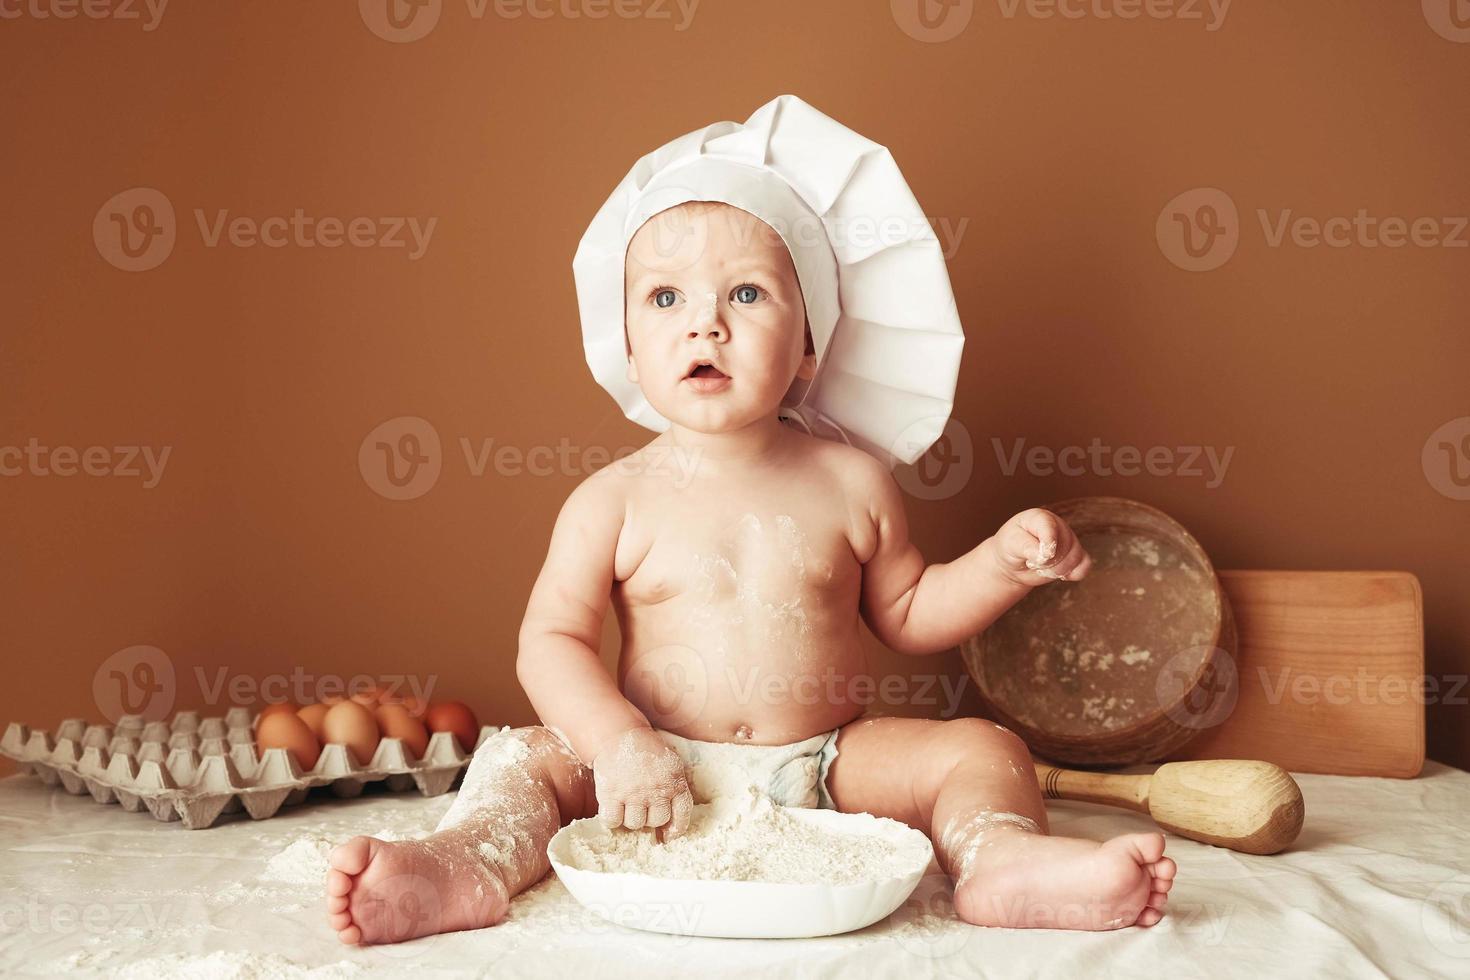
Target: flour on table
[(304, 861), (233, 965)]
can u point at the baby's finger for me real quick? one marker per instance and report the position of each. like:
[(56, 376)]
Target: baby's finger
[(611, 814), (679, 822), (659, 813), (1050, 535), (1079, 570), (634, 815)]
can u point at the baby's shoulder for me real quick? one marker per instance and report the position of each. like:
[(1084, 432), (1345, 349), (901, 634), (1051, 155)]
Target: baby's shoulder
[(854, 470)]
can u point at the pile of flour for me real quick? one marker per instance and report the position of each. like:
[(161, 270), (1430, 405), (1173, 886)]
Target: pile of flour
[(745, 837)]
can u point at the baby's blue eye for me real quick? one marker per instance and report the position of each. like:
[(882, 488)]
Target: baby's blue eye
[(746, 294), (664, 298)]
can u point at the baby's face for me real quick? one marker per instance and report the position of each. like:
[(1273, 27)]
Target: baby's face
[(712, 284)]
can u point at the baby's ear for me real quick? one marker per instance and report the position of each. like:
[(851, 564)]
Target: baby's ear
[(808, 367)]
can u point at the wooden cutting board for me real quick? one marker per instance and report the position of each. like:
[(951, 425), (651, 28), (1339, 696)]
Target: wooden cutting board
[(1330, 670)]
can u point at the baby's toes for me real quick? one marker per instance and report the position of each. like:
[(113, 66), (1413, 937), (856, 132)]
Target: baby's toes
[(1163, 870), (338, 884), (352, 857), (1149, 917), (1157, 900)]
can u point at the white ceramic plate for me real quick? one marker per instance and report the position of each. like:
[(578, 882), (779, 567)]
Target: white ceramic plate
[(745, 909)]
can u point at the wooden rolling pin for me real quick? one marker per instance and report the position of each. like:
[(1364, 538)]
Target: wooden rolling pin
[(1255, 807)]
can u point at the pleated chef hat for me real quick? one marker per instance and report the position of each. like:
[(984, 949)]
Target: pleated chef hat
[(878, 300)]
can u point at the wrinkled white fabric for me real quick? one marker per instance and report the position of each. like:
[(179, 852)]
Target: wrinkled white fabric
[(1377, 885)]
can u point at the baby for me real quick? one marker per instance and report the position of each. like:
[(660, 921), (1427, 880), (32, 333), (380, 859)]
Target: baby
[(740, 555)]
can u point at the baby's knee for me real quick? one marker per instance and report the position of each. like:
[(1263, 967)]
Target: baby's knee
[(961, 739), (534, 748)]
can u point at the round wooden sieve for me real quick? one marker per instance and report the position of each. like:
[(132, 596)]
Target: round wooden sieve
[(1126, 665)]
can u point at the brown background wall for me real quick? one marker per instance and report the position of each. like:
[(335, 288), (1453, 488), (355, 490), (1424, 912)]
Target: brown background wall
[(1054, 144)]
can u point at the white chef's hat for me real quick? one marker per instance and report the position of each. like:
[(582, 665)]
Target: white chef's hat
[(882, 314)]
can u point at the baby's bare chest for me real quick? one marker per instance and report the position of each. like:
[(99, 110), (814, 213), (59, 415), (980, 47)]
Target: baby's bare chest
[(717, 554)]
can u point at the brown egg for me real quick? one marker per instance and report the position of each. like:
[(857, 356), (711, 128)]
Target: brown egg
[(313, 714), (396, 722), (454, 716), (355, 727), (278, 708), (368, 697), (287, 731)]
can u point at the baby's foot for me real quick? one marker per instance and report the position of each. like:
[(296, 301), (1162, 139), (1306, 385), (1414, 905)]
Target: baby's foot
[(391, 891), (1017, 878)]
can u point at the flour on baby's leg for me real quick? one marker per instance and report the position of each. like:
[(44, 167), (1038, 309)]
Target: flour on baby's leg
[(1007, 873), (488, 847)]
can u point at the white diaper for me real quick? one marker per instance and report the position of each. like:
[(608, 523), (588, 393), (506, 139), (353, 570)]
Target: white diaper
[(792, 775)]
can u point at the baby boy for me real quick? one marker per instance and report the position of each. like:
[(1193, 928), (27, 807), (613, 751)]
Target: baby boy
[(741, 555)]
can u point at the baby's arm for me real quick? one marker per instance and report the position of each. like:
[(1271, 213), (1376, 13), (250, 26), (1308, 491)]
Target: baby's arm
[(916, 609), (640, 781)]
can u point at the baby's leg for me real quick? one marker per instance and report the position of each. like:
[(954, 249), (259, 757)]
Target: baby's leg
[(522, 785), (969, 784)]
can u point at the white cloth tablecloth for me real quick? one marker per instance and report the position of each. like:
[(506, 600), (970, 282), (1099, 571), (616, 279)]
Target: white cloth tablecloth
[(1378, 884)]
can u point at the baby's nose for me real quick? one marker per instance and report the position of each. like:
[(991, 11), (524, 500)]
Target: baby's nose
[(707, 318)]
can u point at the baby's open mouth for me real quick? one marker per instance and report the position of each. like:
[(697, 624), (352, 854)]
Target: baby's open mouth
[(707, 371)]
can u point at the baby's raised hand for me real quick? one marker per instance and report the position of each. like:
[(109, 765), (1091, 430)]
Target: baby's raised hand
[(1036, 547), (641, 782)]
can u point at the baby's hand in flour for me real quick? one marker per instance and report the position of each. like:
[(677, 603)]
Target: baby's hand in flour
[(1036, 547), (641, 782)]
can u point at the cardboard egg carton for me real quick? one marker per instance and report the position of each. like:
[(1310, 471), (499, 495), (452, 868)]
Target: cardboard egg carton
[(195, 770)]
